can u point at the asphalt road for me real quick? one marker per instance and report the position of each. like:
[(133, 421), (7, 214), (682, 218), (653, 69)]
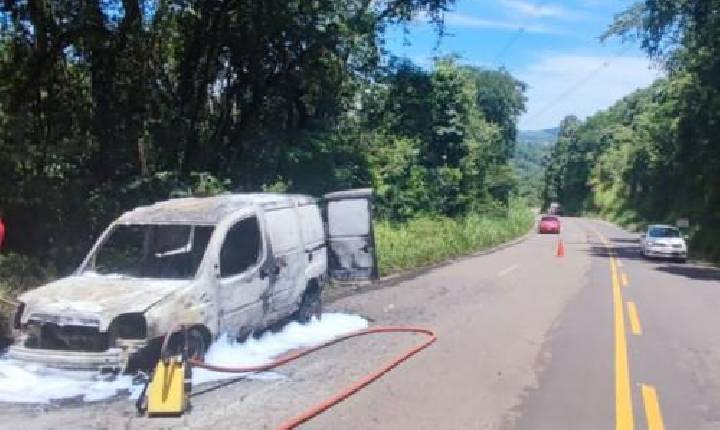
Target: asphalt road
[(597, 339)]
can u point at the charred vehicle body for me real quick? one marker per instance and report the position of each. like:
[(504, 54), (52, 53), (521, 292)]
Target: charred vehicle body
[(233, 264)]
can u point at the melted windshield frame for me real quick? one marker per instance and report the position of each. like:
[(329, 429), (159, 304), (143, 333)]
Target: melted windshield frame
[(151, 251)]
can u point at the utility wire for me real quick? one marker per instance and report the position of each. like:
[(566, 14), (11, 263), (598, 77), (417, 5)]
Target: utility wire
[(579, 83), (516, 36)]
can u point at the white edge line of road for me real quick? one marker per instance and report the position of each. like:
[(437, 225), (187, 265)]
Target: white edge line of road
[(334, 292), (508, 270), (411, 273)]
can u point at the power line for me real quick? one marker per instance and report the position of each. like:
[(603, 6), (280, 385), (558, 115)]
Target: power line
[(509, 44), (579, 83), (516, 36)]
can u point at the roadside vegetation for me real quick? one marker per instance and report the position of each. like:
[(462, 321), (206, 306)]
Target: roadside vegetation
[(529, 161), (108, 105), (654, 155), (425, 240), (17, 273)]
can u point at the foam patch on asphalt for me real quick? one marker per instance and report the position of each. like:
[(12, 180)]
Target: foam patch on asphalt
[(254, 352), (23, 383), (29, 383)]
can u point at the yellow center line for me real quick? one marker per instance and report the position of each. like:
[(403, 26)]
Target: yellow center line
[(624, 419), (652, 408), (624, 278), (623, 396), (635, 326)]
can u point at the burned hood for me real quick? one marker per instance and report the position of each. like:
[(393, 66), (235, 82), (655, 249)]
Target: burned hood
[(89, 298)]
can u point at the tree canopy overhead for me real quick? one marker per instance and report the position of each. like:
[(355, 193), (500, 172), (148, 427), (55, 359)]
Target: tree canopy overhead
[(190, 84), (108, 104)]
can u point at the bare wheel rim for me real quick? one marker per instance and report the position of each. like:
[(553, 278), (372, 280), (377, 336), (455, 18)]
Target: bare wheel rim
[(196, 345), (311, 306)]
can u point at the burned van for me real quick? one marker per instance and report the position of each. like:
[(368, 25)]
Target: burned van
[(233, 264)]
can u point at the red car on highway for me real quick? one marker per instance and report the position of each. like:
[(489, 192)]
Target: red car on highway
[(549, 224)]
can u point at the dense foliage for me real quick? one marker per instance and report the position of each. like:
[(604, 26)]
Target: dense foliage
[(654, 155), (530, 158), (108, 104), (442, 141)]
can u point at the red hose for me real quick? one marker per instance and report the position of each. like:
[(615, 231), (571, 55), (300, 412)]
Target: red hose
[(347, 392)]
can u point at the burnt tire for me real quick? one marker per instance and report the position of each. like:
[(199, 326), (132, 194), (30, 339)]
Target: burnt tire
[(310, 305), (147, 358), (197, 344)]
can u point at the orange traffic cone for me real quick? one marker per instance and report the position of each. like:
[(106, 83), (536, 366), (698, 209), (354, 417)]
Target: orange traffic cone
[(560, 248)]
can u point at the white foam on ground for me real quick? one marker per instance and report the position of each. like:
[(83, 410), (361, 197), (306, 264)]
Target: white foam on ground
[(29, 383), (24, 383), (254, 352)]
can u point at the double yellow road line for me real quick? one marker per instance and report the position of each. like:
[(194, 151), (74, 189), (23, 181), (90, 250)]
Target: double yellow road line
[(652, 408), (624, 417), (635, 326)]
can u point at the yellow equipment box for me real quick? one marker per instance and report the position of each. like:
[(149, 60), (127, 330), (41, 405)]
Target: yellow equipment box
[(166, 393)]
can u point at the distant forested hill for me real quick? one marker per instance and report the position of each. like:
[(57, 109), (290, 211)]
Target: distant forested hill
[(541, 137), (532, 147)]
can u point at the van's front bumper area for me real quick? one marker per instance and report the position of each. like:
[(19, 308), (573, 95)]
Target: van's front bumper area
[(113, 359)]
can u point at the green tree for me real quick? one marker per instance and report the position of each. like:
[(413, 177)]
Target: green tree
[(107, 104)]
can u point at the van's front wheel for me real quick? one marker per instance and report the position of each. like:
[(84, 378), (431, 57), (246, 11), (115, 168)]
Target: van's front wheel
[(310, 306), (197, 344)]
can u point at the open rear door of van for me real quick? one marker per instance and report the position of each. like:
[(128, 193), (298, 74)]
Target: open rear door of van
[(351, 239)]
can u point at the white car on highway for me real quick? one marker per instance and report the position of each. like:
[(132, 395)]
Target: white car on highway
[(664, 241)]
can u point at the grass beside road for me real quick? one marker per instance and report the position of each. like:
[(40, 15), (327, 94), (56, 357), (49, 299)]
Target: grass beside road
[(426, 240)]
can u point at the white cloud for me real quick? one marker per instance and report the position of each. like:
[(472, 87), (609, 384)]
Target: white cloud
[(453, 19), (608, 4), (579, 84), (539, 10)]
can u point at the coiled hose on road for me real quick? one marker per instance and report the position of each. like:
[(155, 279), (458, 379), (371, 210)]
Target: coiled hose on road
[(321, 407)]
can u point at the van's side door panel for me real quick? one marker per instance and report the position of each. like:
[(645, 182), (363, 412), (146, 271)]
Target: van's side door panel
[(243, 282), (315, 243), (351, 238), (290, 260)]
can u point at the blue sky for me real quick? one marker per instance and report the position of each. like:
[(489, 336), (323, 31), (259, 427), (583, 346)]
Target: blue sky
[(557, 53)]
